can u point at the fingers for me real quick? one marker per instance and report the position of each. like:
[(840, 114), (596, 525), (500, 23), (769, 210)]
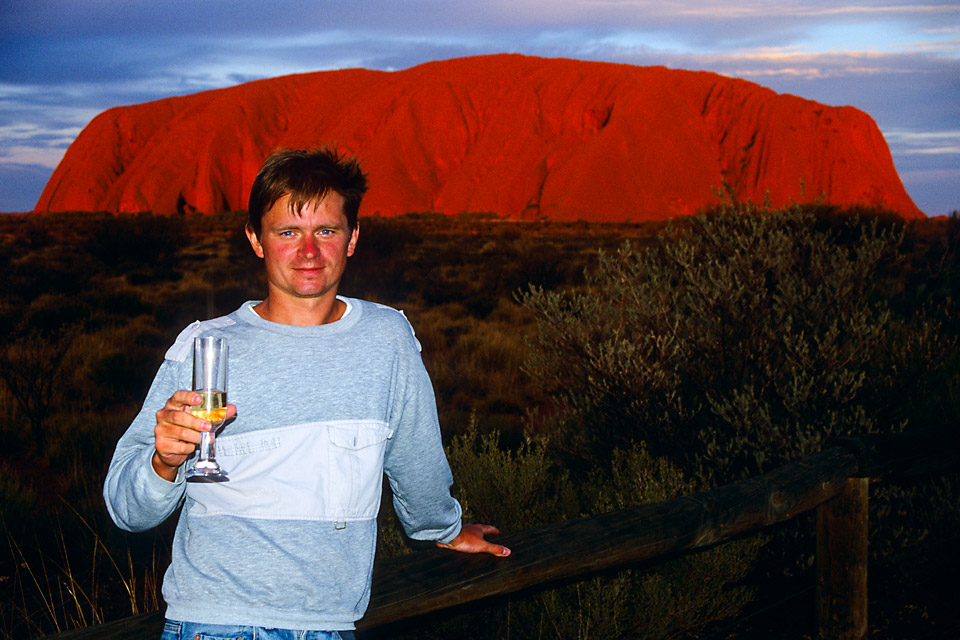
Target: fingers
[(471, 540), (178, 432), (485, 529), (175, 422), (479, 547), (492, 549), (176, 415)]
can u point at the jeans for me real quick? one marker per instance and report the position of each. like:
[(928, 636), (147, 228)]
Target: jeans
[(174, 630)]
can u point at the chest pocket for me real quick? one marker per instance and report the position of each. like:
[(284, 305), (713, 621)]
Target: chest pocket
[(328, 471), (355, 465)]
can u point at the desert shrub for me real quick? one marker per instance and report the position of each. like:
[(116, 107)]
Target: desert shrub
[(525, 488), (516, 489), (132, 305), (380, 267), (125, 366), (130, 242), (686, 593), (16, 498), (31, 369), (12, 437), (474, 364), (246, 269), (123, 302), (63, 575), (743, 340)]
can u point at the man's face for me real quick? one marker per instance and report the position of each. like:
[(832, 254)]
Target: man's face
[(304, 255)]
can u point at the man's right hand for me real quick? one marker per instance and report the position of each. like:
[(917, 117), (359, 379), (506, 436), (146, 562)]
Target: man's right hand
[(177, 433)]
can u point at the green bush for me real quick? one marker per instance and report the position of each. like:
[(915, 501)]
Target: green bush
[(743, 340), (129, 242), (526, 488), (31, 371), (474, 364), (109, 295), (16, 499)]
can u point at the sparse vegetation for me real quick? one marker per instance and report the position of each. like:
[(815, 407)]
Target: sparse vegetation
[(712, 349), (743, 340)]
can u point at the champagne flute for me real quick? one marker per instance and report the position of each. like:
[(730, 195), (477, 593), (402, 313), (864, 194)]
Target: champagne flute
[(210, 381)]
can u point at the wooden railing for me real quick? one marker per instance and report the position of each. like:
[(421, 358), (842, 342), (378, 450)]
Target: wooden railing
[(834, 481)]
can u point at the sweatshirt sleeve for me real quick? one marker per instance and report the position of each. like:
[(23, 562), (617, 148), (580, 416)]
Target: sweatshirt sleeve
[(136, 497), (415, 463)]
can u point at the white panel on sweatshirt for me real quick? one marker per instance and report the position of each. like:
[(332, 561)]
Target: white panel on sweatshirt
[(328, 471)]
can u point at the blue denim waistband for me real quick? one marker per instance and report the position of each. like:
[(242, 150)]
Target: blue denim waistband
[(176, 630)]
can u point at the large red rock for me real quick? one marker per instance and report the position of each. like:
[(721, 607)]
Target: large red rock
[(519, 136)]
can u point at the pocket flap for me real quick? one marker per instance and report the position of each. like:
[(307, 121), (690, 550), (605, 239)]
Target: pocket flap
[(358, 435)]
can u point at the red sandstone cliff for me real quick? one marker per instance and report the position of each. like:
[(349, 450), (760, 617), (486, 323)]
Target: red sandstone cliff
[(523, 137)]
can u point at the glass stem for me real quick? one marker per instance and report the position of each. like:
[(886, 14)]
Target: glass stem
[(206, 446)]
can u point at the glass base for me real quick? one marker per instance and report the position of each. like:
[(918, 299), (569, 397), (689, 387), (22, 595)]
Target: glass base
[(206, 471)]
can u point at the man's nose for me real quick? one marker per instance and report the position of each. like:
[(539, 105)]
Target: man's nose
[(308, 246)]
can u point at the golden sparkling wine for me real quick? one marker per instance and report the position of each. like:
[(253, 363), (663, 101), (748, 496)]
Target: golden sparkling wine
[(212, 408), (210, 383)]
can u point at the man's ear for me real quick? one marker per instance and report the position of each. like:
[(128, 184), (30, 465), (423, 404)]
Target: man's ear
[(254, 241), (354, 235)]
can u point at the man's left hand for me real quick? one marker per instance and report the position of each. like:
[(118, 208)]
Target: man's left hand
[(471, 540)]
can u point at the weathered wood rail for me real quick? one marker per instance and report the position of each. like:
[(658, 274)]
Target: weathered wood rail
[(834, 481)]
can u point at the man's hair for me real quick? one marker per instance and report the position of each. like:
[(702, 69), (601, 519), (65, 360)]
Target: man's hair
[(306, 176)]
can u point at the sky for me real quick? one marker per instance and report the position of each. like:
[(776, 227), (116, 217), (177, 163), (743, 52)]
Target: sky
[(64, 61)]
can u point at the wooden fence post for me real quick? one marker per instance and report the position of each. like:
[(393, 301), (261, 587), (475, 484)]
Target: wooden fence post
[(842, 563)]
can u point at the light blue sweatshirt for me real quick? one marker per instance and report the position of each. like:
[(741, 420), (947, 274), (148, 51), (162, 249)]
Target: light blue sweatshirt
[(322, 413)]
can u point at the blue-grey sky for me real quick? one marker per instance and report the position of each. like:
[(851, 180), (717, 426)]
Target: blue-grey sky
[(64, 61)]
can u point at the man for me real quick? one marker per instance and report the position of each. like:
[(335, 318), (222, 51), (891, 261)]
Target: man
[(327, 393)]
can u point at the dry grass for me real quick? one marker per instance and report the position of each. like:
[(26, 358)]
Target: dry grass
[(133, 282), (130, 284)]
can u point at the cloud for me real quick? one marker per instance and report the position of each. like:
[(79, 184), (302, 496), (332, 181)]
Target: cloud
[(46, 157), (935, 176), (910, 142), (948, 46), (682, 11), (825, 9), (37, 126), (63, 61)]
